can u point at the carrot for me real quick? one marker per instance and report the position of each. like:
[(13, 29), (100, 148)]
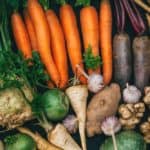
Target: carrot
[(106, 39), (43, 38), (20, 35), (58, 47), (90, 31), (31, 30), (72, 37)]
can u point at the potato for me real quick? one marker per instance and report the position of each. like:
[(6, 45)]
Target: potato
[(102, 105)]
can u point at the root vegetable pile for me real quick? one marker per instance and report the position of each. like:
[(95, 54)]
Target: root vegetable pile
[(72, 70)]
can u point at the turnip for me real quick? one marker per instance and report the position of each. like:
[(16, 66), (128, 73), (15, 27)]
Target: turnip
[(58, 134), (122, 61), (19, 142), (55, 104), (78, 98)]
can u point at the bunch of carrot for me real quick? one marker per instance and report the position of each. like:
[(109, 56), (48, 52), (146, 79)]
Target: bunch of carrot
[(41, 30)]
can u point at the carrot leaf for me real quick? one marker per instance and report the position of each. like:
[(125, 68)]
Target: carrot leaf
[(91, 61), (14, 4), (44, 3), (61, 2), (83, 2)]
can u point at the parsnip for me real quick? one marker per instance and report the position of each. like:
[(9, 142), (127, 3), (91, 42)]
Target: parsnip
[(59, 136), (78, 98), (42, 144)]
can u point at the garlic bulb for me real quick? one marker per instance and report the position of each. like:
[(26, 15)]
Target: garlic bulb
[(95, 83), (71, 124), (131, 94), (110, 125)]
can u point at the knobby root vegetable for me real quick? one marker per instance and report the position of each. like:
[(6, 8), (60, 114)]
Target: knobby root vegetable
[(102, 105), (61, 138), (14, 109), (42, 144), (141, 53), (78, 98)]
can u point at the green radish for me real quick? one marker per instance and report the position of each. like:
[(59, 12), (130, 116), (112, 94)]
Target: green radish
[(55, 104)]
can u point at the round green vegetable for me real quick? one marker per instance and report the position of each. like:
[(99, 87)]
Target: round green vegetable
[(55, 104), (127, 140), (19, 142)]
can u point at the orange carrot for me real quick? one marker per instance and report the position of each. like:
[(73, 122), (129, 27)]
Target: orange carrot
[(43, 38), (106, 39), (21, 35), (72, 37), (58, 46), (90, 31), (31, 30)]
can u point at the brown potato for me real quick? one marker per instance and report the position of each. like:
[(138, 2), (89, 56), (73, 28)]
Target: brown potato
[(102, 105)]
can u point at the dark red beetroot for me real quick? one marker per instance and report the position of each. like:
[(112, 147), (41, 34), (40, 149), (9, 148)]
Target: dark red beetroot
[(121, 49), (141, 51)]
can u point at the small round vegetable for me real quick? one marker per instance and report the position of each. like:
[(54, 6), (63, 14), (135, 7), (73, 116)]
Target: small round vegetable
[(126, 140), (19, 142), (131, 94), (55, 104)]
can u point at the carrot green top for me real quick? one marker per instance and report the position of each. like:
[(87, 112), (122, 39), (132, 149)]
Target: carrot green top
[(83, 2)]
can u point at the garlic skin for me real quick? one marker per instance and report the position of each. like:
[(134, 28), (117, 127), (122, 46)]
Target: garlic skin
[(71, 124), (95, 83), (131, 94), (110, 125)]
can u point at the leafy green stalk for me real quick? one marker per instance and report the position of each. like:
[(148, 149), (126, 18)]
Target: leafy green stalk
[(45, 4), (15, 71), (83, 2), (61, 2), (14, 4), (91, 61)]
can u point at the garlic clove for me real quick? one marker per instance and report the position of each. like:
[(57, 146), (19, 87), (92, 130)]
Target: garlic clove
[(131, 94), (95, 82), (110, 124), (71, 124)]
